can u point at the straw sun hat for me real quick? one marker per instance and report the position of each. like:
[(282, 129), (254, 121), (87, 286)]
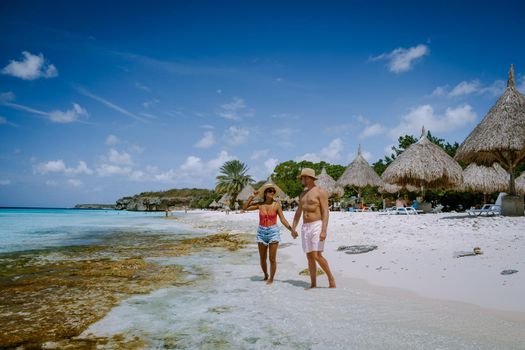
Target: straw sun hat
[(264, 188), (307, 172)]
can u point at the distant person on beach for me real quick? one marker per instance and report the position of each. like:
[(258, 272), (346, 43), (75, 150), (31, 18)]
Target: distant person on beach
[(268, 236), (313, 204)]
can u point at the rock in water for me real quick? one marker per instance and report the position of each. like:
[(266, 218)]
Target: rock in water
[(356, 249), (508, 272)]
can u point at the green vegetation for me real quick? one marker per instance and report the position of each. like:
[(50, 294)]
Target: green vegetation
[(232, 179)]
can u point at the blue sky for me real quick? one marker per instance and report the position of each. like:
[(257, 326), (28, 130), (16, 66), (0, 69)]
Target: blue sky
[(104, 99)]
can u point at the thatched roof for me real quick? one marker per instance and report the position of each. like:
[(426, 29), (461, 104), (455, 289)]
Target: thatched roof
[(225, 199), (520, 184), (214, 204), (389, 188), (424, 164), (359, 174), (246, 192), (479, 178), (327, 183), (502, 130)]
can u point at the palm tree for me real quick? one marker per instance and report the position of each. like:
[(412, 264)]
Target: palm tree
[(233, 178)]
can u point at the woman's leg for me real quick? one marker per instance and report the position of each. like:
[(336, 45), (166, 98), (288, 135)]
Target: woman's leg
[(273, 260), (263, 251)]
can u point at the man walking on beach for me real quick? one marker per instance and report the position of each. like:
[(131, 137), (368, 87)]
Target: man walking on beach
[(313, 204)]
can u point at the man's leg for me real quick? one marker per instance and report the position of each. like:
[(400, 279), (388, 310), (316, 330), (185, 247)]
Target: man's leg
[(312, 267), (263, 249), (318, 256), (273, 261)]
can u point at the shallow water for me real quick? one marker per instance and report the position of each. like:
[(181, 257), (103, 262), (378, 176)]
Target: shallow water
[(230, 307), (26, 229)]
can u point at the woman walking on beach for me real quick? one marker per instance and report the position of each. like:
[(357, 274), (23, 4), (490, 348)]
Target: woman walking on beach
[(268, 236)]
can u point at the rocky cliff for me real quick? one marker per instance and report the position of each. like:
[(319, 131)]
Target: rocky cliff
[(173, 199)]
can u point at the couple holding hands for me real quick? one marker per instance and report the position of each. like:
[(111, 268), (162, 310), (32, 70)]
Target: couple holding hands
[(313, 205)]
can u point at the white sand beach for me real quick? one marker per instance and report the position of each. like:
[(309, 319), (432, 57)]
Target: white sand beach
[(416, 254), (410, 293)]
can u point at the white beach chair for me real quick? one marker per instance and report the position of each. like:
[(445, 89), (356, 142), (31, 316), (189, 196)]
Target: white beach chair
[(488, 209), (406, 211), (437, 209)]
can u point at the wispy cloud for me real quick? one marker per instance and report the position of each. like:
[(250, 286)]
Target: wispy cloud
[(57, 116), (5, 182), (141, 87), (236, 136), (401, 60), (235, 110), (30, 67), (109, 104), (473, 87), (112, 140)]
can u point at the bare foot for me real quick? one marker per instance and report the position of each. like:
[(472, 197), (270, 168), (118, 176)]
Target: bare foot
[(312, 286), (269, 282), (331, 284), (266, 276)]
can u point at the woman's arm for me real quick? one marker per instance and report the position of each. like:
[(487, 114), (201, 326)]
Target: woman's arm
[(248, 204)]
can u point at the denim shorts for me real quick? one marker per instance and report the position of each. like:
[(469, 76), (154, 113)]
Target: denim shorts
[(268, 234)]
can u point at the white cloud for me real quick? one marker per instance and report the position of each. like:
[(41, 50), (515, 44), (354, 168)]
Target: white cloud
[(192, 164), (207, 140), (465, 88), (58, 166), (372, 130), (68, 116), (51, 183), (5, 182), (424, 115), (112, 140), (388, 149), (236, 136), (215, 163), (111, 169), (75, 182), (401, 60), (122, 158), (270, 164), (331, 153), (31, 67), (259, 154), (235, 110)]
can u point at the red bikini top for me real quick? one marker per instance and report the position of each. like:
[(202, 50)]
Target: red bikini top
[(268, 218)]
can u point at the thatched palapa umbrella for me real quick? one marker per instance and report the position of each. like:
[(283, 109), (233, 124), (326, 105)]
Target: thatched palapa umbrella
[(214, 205), (359, 174), (246, 192), (479, 178), (424, 165), (500, 136), (327, 183)]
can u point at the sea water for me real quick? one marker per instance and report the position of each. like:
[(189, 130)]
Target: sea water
[(37, 228)]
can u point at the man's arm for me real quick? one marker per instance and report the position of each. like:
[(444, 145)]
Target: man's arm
[(298, 213), (323, 202)]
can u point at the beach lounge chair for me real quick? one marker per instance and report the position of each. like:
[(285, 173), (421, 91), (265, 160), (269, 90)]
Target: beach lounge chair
[(406, 211), (488, 209)]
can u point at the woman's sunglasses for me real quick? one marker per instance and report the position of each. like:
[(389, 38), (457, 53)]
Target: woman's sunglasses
[(270, 191)]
